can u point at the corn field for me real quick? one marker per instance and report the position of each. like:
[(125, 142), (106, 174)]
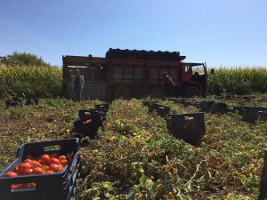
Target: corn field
[(47, 81), (30, 82), (238, 80)]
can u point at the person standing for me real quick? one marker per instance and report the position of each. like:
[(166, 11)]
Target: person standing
[(77, 83), (168, 84)]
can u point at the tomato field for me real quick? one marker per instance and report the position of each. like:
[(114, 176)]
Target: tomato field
[(136, 157)]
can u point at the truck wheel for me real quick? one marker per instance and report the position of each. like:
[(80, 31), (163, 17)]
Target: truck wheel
[(191, 91), (122, 92)]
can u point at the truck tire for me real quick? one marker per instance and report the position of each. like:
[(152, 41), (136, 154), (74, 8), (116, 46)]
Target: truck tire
[(191, 91), (122, 92)]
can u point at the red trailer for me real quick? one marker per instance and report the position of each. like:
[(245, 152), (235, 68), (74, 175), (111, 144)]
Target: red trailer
[(132, 73)]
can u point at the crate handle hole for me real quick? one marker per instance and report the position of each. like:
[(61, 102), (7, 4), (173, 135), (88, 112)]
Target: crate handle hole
[(52, 148), (23, 187), (87, 113), (162, 108)]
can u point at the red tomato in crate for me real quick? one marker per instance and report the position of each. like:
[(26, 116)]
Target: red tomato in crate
[(35, 163), (45, 159), (38, 170), (11, 174), (60, 168), (54, 161), (32, 185), (17, 187), (64, 162), (23, 166), (62, 157), (55, 168), (28, 172)]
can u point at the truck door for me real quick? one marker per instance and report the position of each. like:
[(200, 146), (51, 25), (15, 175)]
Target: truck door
[(186, 73)]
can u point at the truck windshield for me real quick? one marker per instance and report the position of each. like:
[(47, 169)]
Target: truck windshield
[(199, 69)]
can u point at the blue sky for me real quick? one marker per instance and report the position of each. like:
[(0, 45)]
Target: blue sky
[(220, 32)]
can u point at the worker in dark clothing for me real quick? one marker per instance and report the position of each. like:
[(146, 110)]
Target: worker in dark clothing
[(168, 84), (77, 83)]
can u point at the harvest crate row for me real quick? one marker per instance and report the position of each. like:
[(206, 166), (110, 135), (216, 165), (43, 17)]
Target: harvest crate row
[(17, 182), (90, 120), (189, 127), (17, 102), (249, 114)]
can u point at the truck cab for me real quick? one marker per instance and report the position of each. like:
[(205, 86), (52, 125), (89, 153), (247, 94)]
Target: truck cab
[(193, 79)]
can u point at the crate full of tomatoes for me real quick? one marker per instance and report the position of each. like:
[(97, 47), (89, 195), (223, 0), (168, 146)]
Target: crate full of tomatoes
[(42, 170)]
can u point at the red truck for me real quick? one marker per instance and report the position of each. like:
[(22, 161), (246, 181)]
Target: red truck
[(133, 73)]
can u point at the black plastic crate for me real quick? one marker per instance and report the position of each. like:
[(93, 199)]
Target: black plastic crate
[(219, 108), (205, 106), (102, 107), (189, 127), (236, 108), (87, 113), (148, 103), (160, 109), (89, 126), (31, 102), (48, 186), (13, 102), (252, 114), (263, 183)]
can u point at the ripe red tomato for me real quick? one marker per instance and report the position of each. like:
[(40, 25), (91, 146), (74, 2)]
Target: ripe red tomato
[(60, 168), (64, 162), (53, 167), (28, 172), (17, 187), (62, 157), (38, 170), (23, 166), (35, 163), (54, 161), (45, 159), (32, 185), (11, 174), (49, 172)]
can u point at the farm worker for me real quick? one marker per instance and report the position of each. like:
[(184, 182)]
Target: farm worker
[(77, 83), (168, 85)]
